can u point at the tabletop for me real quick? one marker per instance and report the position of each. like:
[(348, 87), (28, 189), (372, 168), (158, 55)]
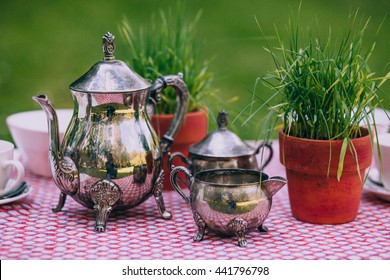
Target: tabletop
[(30, 230)]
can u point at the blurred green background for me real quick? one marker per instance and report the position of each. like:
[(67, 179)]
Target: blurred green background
[(46, 45)]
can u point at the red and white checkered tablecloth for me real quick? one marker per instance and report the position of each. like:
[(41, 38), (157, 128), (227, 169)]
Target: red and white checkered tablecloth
[(30, 230)]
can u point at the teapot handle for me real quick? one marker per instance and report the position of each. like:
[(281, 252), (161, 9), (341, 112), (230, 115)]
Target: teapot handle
[(175, 171), (182, 96)]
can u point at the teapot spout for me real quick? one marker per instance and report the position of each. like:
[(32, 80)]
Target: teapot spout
[(272, 185), (52, 120), (63, 169)]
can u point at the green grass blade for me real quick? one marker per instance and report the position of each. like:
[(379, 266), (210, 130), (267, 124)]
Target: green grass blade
[(343, 151)]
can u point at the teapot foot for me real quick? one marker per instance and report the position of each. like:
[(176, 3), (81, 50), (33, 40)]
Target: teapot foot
[(159, 198), (262, 228), (242, 242), (104, 194), (239, 226), (201, 224), (60, 204)]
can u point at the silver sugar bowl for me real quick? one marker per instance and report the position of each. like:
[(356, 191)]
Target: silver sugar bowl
[(110, 157), (222, 149), (228, 201)]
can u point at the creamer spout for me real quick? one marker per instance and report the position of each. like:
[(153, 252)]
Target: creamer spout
[(272, 185)]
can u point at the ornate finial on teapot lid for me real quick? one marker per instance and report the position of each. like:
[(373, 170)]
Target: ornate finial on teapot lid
[(110, 75), (222, 120), (108, 46)]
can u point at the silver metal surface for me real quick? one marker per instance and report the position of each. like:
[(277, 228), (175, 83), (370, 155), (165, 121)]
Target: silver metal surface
[(180, 88), (110, 75), (228, 201), (221, 143), (110, 157), (222, 149)]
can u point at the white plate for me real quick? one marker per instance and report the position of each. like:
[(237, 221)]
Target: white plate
[(15, 198), (378, 191)]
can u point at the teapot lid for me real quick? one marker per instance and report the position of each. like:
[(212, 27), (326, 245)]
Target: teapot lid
[(221, 143), (110, 75)]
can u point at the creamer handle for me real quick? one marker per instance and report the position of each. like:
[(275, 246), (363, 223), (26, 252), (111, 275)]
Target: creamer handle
[(174, 183)]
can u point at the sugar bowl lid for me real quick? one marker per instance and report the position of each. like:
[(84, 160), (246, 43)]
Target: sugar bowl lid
[(110, 75), (221, 143)]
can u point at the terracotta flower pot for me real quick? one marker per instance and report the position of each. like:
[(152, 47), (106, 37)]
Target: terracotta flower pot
[(192, 131), (316, 196)]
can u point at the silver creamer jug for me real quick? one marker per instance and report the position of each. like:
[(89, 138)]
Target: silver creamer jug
[(110, 157)]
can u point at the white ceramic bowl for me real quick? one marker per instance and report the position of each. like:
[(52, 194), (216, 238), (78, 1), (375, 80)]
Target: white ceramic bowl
[(381, 119), (30, 133), (384, 145)]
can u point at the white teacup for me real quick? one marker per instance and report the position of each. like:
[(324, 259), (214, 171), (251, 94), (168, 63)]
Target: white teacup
[(384, 164), (6, 163)]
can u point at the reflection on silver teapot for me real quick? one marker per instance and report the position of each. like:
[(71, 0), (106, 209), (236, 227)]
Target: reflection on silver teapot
[(110, 157)]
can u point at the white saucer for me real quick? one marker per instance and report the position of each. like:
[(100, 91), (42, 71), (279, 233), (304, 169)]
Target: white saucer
[(15, 198), (378, 191)]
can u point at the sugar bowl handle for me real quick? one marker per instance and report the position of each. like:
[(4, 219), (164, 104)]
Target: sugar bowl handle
[(171, 158), (182, 96), (175, 171), (270, 154)]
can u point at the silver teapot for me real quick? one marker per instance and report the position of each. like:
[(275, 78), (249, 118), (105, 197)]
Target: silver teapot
[(110, 157), (228, 201)]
